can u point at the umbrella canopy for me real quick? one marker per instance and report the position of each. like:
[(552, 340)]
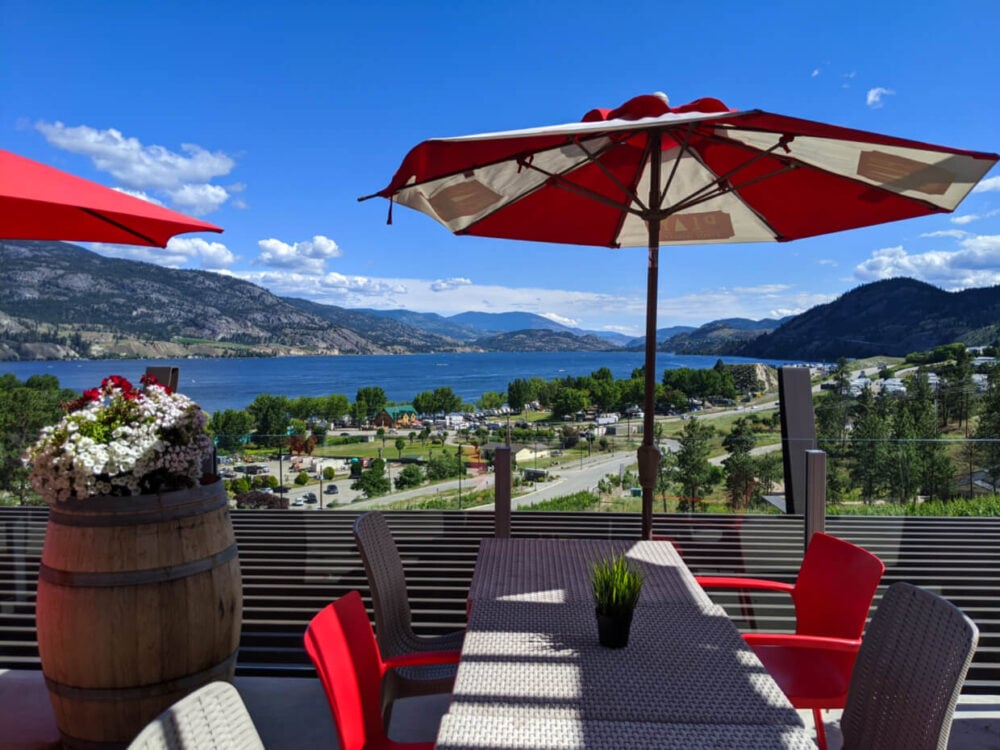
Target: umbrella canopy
[(647, 174), (38, 202)]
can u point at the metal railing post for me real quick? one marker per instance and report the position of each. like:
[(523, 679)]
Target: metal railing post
[(501, 492), (815, 505)]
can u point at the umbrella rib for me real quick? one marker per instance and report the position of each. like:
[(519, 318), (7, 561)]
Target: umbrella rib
[(560, 181), (631, 193), (119, 225), (683, 148)]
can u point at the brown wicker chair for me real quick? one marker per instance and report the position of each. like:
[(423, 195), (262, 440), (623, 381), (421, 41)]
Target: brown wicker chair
[(393, 624), (909, 673)]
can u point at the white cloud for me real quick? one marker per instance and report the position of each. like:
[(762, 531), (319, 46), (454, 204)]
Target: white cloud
[(443, 285), (185, 177), (989, 184), (956, 234), (765, 289), (139, 194), (815, 72), (827, 262), (210, 255), (181, 252), (560, 319), (969, 218), (976, 263), (199, 199), (308, 255), (875, 95)]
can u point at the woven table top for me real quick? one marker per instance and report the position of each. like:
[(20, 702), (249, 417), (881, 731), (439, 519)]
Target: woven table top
[(558, 570), (533, 675), (469, 732), (684, 663)]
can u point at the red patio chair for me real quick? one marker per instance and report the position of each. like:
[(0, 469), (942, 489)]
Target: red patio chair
[(341, 643), (832, 596)]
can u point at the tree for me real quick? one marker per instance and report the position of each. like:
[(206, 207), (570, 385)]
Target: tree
[(441, 400), (490, 400), (400, 443), (271, 417), (373, 481), (302, 478), (693, 471), (871, 447), (444, 466), (25, 408), (231, 428), (741, 469), (568, 401), (368, 402), (518, 394), (410, 476), (988, 430), (328, 473)]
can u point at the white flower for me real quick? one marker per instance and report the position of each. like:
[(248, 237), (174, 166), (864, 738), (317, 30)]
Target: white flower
[(121, 440)]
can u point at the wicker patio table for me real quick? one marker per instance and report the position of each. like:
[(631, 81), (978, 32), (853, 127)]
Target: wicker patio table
[(558, 570), (533, 675)]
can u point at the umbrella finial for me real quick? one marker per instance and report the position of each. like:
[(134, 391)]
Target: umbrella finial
[(662, 96)]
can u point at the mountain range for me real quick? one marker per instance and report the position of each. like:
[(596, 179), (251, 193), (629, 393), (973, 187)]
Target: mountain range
[(59, 301)]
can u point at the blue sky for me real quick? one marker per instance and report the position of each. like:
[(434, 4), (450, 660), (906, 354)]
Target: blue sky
[(270, 119)]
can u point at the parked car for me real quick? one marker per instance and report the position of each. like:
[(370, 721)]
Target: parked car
[(331, 489), (298, 502), (310, 498)]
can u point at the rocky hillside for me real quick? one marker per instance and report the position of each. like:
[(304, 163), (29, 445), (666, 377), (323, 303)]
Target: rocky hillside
[(58, 294), (892, 317), (718, 337), (543, 341)]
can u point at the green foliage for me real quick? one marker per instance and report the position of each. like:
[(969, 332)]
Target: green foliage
[(717, 381), (444, 466), (373, 481), (693, 472), (410, 476), (271, 417), (578, 501), (329, 473), (400, 443), (368, 402), (440, 400), (302, 479), (617, 585), (231, 428), (25, 408), (985, 505)]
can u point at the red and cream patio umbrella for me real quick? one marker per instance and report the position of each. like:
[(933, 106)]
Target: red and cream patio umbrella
[(38, 202), (647, 174)]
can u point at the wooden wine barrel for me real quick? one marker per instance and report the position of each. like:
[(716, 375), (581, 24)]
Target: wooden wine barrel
[(139, 603)]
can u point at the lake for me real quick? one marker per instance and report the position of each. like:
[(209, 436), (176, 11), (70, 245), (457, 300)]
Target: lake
[(218, 384)]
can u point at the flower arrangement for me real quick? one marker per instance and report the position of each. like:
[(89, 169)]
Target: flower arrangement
[(121, 440)]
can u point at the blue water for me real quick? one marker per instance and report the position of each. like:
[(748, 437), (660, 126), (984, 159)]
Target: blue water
[(218, 384)]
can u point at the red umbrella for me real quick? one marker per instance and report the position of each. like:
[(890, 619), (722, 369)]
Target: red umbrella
[(38, 202), (647, 174)]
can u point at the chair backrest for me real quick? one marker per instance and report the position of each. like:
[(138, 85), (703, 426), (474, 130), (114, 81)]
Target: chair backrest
[(213, 717), (909, 673), (835, 588), (387, 581), (342, 646)]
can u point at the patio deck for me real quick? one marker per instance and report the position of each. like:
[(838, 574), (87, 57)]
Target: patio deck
[(294, 563)]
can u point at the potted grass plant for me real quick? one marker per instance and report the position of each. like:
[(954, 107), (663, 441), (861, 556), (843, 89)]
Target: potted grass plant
[(617, 585)]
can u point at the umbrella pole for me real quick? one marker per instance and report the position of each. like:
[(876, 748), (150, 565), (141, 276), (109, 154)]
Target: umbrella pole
[(648, 454)]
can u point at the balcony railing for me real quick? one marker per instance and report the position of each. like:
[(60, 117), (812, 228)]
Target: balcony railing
[(294, 563)]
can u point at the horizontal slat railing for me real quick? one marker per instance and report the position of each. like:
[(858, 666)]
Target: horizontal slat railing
[(294, 563)]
